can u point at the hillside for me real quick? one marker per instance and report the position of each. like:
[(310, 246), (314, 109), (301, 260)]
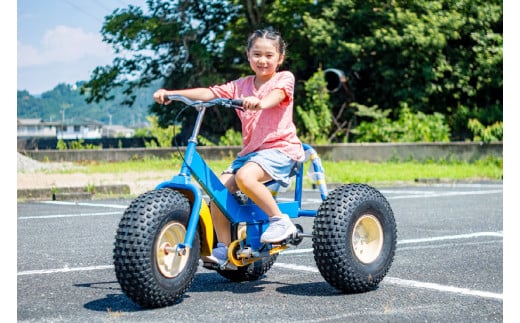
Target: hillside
[(65, 102)]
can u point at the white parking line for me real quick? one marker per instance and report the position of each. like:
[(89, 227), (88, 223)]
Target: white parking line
[(442, 288), (115, 206), (54, 216), (386, 280), (454, 237), (312, 269), (63, 270), (407, 283), (423, 194)]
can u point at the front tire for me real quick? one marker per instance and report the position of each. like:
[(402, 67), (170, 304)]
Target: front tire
[(147, 267), (354, 238)]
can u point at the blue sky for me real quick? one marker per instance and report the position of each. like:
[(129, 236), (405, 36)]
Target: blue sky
[(59, 41)]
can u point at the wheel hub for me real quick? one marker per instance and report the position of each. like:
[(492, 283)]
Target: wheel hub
[(367, 238), (171, 258)]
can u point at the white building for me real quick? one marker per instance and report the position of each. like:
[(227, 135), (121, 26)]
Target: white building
[(30, 128), (37, 128)]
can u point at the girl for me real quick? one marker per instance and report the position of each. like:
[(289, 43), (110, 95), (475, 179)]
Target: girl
[(270, 144)]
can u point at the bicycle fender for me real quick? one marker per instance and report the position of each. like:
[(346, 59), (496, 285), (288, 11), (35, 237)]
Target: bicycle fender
[(206, 230)]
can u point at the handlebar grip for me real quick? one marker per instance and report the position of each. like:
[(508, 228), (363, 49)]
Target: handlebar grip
[(237, 102)]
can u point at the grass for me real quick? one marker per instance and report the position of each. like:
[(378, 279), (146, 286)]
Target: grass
[(336, 172), (388, 172)]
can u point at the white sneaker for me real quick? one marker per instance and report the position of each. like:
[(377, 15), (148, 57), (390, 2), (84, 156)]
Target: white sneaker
[(279, 229)]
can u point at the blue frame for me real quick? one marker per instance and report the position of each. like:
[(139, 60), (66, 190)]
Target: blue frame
[(256, 220)]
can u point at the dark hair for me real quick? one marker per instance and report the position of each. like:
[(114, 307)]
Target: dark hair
[(267, 33)]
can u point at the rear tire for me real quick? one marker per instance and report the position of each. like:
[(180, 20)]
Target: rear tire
[(249, 272), (354, 238), (150, 273)]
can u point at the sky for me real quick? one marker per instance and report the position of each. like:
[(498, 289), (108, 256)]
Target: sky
[(59, 41)]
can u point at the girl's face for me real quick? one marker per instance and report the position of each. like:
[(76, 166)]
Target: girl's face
[(264, 58)]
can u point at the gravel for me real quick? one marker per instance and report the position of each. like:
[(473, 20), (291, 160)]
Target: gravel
[(28, 165)]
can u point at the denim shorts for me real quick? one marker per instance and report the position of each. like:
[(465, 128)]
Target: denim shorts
[(275, 163)]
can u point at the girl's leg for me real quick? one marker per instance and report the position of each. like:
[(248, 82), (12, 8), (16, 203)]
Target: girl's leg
[(250, 179), (220, 222)]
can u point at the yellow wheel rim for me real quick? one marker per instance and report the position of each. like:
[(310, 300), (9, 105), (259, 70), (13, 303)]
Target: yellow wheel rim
[(171, 261), (367, 238)]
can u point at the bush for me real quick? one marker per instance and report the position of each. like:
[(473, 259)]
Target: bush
[(409, 127), (491, 133)]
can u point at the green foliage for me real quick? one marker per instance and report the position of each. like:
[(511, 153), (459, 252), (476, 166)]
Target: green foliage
[(76, 144), (231, 138), (435, 56), (410, 171), (205, 141), (315, 113), (409, 127), (179, 43), (487, 134), (67, 99), (164, 136), (61, 145)]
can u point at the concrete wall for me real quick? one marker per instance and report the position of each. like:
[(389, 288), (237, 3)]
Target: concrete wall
[(374, 152)]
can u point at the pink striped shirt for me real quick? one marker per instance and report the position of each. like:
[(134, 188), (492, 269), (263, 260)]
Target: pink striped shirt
[(267, 128)]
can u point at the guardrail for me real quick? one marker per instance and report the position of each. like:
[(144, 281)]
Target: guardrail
[(373, 152)]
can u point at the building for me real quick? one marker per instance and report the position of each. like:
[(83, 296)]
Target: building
[(69, 130), (36, 128)]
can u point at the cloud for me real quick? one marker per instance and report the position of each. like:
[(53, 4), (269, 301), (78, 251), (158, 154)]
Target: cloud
[(63, 44)]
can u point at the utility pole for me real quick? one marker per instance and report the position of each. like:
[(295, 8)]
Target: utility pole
[(63, 107)]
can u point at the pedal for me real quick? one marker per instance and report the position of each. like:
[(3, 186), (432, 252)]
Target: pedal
[(210, 265), (297, 237), (214, 266)]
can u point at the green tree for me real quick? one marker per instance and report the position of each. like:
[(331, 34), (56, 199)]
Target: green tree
[(179, 42), (494, 132), (441, 56), (164, 136), (316, 113), (66, 102), (409, 127), (436, 56)]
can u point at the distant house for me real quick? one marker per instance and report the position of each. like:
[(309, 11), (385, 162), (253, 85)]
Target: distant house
[(116, 131), (81, 129), (70, 130), (36, 128)]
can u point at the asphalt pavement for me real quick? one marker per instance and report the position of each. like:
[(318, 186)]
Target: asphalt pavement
[(448, 267)]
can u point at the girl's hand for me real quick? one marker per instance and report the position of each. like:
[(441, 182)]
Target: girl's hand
[(251, 103), (160, 96)]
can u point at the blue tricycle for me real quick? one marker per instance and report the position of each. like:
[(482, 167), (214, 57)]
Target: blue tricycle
[(166, 233)]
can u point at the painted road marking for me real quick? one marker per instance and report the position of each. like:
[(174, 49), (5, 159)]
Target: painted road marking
[(387, 280), (85, 204), (302, 268), (54, 216)]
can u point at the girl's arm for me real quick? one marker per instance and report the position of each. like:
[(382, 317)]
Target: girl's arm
[(272, 99), (200, 93)]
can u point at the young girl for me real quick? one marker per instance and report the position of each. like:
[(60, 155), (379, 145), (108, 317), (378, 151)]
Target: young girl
[(270, 144)]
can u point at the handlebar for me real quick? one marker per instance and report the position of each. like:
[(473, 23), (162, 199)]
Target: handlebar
[(226, 103)]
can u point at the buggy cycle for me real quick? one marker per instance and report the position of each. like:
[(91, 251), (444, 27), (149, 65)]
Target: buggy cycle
[(164, 234)]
